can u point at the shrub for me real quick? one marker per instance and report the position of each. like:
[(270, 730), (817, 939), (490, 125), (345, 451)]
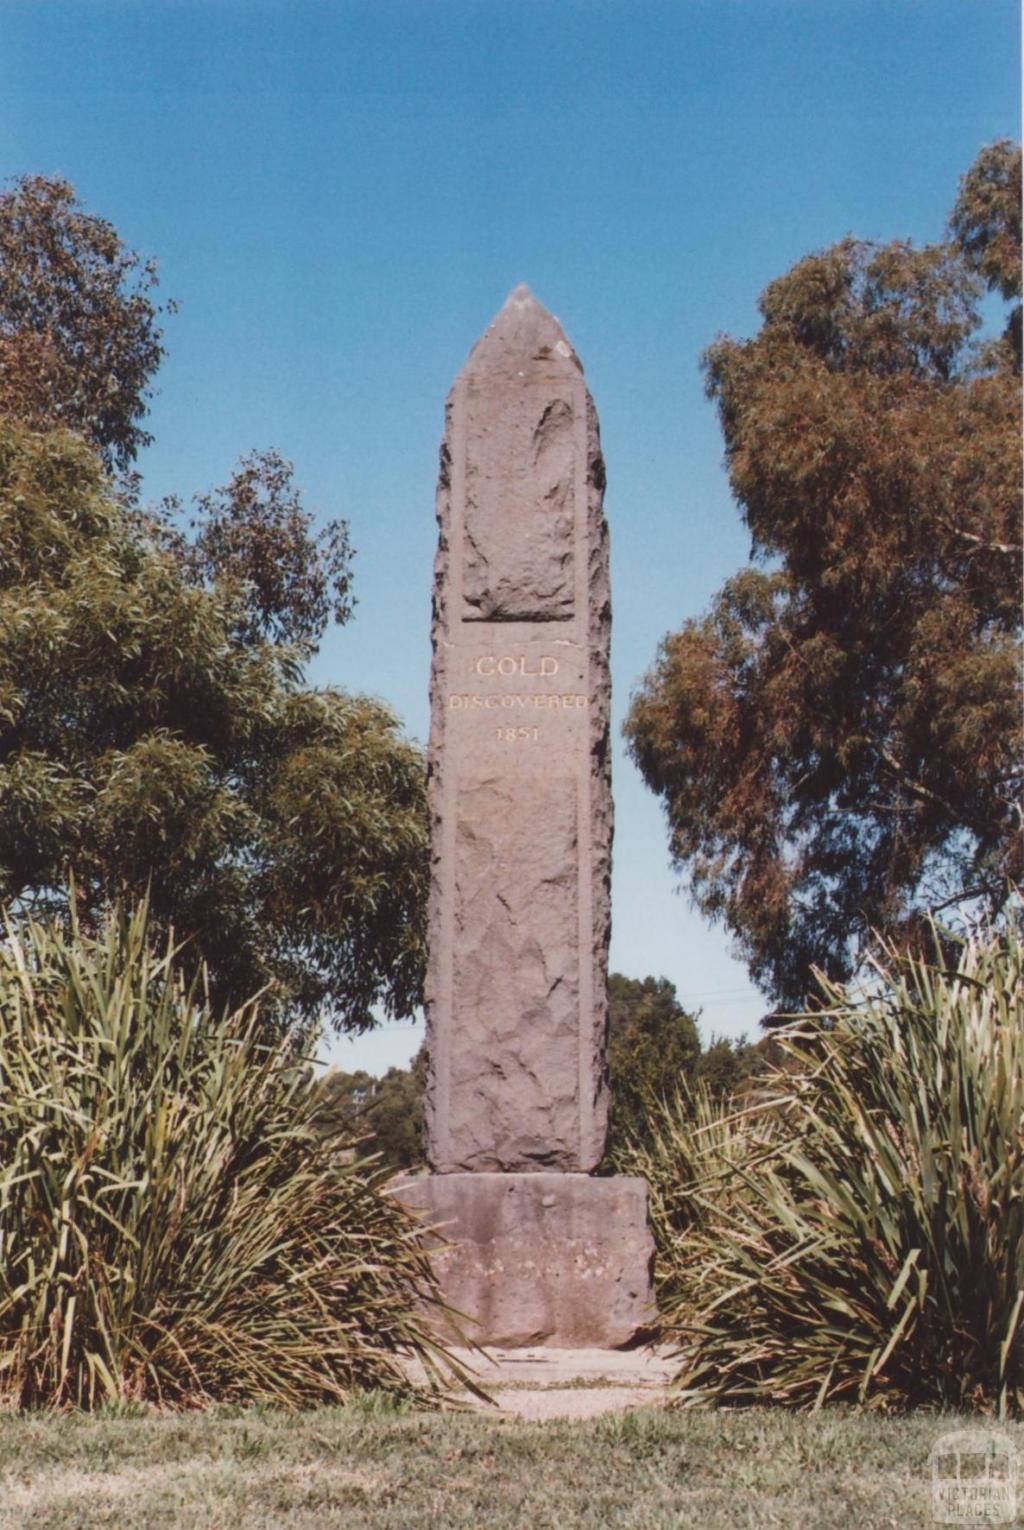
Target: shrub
[(856, 1232), (173, 1228)]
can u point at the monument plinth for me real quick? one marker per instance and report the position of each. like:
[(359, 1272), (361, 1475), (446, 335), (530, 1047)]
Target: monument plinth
[(521, 822)]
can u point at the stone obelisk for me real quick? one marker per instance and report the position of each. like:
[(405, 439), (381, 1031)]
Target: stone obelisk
[(519, 764), (521, 814)]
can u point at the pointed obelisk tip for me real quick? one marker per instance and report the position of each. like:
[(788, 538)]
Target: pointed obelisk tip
[(524, 329)]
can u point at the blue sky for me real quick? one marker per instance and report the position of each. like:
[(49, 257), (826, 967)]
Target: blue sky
[(340, 196)]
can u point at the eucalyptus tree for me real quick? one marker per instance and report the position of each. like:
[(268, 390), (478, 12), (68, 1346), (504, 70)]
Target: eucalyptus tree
[(837, 742)]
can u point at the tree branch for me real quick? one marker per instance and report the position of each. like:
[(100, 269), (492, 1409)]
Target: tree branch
[(917, 789), (1008, 549)]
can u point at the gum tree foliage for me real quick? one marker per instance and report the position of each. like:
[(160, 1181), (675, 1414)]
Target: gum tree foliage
[(986, 224), (837, 743), (151, 737), (79, 332), (80, 343), (154, 726), (253, 535)]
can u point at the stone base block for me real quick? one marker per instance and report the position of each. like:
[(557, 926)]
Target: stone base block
[(529, 1259)]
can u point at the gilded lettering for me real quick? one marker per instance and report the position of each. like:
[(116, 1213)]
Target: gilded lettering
[(518, 735), (510, 664), (539, 700)]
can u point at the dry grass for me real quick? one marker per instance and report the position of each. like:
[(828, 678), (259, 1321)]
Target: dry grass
[(377, 1467)]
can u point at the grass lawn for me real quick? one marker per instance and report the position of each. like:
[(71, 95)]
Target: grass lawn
[(373, 1467)]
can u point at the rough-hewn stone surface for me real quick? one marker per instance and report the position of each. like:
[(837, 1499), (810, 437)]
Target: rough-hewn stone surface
[(523, 1050), (519, 763), (519, 526), (556, 1259)]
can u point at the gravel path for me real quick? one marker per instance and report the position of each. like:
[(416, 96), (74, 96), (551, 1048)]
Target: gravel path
[(570, 1383)]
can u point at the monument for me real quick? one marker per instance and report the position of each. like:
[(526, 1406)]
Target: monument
[(521, 825)]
